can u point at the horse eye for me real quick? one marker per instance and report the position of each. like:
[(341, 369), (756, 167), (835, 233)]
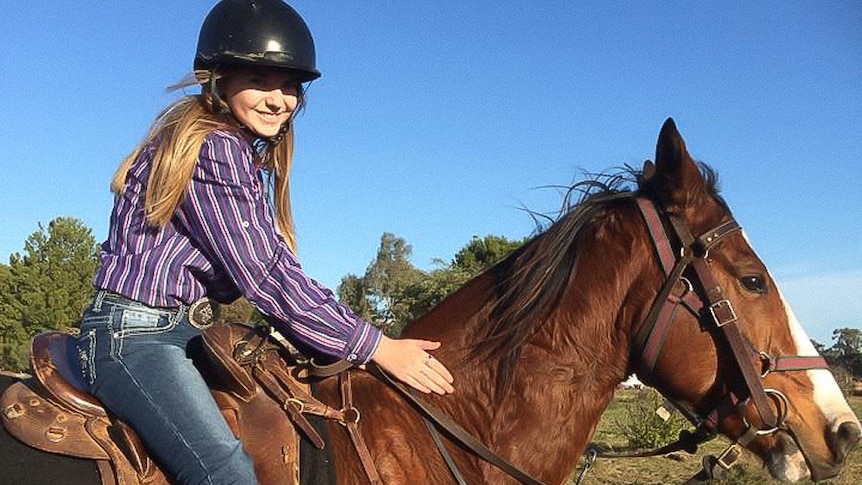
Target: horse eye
[(754, 283)]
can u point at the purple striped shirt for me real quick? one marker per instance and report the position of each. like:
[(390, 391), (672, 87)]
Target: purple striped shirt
[(222, 242)]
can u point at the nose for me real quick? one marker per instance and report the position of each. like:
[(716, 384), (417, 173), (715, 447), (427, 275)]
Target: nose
[(279, 99), (844, 440)]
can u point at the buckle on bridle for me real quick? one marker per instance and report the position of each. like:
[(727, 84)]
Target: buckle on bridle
[(722, 312), (729, 456)]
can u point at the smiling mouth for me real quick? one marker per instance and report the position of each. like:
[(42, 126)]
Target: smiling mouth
[(269, 115)]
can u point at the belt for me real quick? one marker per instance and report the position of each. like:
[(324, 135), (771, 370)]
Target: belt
[(201, 314)]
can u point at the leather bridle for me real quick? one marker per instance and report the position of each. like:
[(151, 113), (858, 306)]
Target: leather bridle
[(714, 310)]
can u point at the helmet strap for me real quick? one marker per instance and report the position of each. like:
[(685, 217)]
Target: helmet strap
[(285, 127), (215, 98)]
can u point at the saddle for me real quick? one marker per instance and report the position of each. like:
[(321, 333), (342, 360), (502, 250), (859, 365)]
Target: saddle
[(260, 390)]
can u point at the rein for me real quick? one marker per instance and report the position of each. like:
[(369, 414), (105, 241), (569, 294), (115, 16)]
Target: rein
[(461, 435)]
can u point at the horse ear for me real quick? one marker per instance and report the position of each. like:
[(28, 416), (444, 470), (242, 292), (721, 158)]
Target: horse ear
[(677, 171), (670, 149)]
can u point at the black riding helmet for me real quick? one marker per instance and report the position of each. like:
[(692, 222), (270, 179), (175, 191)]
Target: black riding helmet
[(258, 33)]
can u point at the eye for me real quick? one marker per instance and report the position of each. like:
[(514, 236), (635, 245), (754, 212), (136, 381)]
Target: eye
[(754, 283)]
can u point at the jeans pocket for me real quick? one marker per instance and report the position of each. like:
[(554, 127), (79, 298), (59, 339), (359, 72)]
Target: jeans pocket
[(144, 321)]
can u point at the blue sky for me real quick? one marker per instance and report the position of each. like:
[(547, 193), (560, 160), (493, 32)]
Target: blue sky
[(437, 120)]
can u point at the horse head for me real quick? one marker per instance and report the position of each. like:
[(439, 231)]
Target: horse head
[(722, 342)]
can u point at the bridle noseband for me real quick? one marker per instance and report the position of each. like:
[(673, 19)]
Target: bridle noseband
[(716, 313)]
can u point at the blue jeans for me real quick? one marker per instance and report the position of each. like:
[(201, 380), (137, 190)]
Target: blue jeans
[(136, 361)]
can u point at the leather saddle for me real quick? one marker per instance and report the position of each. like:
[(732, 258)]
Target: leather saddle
[(262, 395)]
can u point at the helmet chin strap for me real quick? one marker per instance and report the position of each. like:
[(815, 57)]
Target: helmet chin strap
[(276, 139), (215, 98)]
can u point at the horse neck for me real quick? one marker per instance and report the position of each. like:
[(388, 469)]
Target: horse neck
[(565, 374)]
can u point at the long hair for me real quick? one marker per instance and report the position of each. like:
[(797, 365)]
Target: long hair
[(179, 132)]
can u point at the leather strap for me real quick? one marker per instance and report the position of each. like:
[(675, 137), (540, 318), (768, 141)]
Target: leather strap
[(292, 406), (328, 370), (725, 319), (456, 431), (444, 453), (688, 442), (784, 363), (351, 422), (303, 398), (695, 252)]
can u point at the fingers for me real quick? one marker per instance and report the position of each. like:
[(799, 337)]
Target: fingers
[(439, 369), (427, 344), (415, 384), (433, 376), (409, 361)]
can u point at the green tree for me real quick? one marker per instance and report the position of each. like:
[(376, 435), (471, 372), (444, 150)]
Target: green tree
[(846, 352), (820, 348), (848, 341), (46, 288), (393, 292), (476, 256), (353, 291), (240, 311), (385, 281), (482, 253)]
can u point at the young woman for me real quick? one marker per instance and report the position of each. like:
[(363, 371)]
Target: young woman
[(202, 210)]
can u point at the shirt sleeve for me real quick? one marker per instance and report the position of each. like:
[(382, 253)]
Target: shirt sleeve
[(227, 213)]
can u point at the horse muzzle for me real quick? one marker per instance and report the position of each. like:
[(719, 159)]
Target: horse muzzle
[(840, 440)]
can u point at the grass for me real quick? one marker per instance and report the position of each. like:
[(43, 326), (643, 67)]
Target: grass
[(679, 467)]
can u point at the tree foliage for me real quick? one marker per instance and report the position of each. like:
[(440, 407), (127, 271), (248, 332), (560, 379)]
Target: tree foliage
[(844, 356), (393, 292), (46, 287)]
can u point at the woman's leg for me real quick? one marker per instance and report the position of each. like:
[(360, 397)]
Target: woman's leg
[(138, 366)]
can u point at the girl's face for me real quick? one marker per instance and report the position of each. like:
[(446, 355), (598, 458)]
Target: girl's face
[(261, 99)]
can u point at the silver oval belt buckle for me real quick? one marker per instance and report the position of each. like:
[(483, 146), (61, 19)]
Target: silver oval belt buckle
[(204, 313)]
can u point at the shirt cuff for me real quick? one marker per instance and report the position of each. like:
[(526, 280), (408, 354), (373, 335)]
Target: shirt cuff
[(362, 343)]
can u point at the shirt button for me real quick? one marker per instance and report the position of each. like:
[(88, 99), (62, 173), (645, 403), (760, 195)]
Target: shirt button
[(245, 224), (352, 358)]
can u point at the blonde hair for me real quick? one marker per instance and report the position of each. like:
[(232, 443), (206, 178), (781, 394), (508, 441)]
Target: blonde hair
[(180, 131)]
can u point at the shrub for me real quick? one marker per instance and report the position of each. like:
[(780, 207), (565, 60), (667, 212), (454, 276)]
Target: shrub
[(643, 426)]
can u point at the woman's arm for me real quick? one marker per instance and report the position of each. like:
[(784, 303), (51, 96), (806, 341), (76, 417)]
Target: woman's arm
[(228, 215)]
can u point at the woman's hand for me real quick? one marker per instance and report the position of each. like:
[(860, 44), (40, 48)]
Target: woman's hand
[(409, 361)]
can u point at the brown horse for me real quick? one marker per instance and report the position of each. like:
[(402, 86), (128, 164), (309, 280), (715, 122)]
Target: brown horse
[(539, 343)]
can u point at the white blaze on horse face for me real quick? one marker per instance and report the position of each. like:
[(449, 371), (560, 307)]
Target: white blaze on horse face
[(827, 394)]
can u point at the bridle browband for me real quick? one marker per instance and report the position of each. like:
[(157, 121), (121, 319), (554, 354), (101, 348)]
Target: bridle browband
[(715, 312)]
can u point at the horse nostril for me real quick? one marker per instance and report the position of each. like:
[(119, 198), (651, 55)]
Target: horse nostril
[(845, 439)]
